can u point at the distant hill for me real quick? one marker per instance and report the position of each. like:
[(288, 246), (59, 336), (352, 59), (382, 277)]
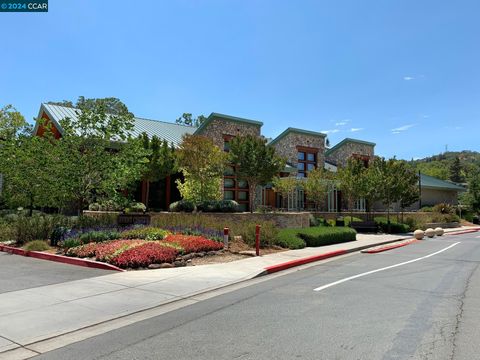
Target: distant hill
[(446, 167)]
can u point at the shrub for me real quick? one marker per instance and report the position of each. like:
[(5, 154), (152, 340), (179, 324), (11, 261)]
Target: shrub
[(147, 233), (427, 209), (136, 207), (144, 255), (289, 239), (208, 233), (444, 208), (94, 207), (182, 206), (70, 243), (37, 245), (192, 244), (319, 236), (99, 236), (395, 228), (224, 206)]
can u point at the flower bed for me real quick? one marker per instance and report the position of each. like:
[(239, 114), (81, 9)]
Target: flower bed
[(193, 244), (142, 253)]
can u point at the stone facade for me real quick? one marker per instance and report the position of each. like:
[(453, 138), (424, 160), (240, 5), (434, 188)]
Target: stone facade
[(342, 153), (288, 147), (218, 128)]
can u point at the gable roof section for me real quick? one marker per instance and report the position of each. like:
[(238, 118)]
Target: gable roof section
[(296, 131), (430, 182), (345, 141), (213, 116), (170, 132)]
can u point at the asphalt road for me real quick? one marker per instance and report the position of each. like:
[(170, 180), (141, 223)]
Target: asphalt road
[(20, 272), (424, 309)]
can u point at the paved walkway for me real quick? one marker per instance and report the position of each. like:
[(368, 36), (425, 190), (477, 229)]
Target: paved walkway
[(31, 315)]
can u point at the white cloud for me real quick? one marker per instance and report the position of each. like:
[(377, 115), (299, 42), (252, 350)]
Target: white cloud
[(356, 129), (342, 122), (408, 78), (333, 131), (402, 128)]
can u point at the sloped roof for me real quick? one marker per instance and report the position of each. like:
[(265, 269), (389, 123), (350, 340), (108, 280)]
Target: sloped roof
[(345, 141), (170, 132), (430, 182), (228, 118), (297, 131)]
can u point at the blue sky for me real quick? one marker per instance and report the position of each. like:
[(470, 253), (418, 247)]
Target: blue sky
[(404, 74)]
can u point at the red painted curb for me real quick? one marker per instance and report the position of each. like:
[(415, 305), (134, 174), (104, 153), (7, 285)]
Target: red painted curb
[(375, 251), (289, 264), (59, 258)]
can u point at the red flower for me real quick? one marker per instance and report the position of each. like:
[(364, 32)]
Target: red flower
[(144, 255), (191, 244)]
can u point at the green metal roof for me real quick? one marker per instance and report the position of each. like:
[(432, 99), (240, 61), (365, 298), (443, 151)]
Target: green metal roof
[(228, 118), (297, 131), (430, 182), (348, 140), (170, 132)]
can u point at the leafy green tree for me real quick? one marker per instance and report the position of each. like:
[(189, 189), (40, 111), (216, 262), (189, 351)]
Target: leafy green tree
[(409, 191), (456, 171), (472, 196), (29, 172), (189, 120), (12, 123), (161, 160), (99, 157), (316, 186), (348, 180), (390, 186), (202, 164), (285, 186), (256, 163)]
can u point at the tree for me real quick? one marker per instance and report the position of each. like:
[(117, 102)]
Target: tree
[(161, 160), (456, 171), (66, 103), (348, 180), (12, 123), (472, 196), (29, 169), (202, 164), (285, 186), (316, 186), (370, 180), (256, 163), (187, 119), (409, 192), (390, 186), (99, 157)]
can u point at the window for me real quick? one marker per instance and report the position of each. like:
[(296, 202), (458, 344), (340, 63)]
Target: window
[(307, 160), (234, 189)]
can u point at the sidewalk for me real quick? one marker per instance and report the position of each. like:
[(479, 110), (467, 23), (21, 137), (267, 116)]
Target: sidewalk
[(35, 314)]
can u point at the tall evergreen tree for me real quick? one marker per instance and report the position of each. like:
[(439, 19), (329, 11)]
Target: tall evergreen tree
[(456, 171)]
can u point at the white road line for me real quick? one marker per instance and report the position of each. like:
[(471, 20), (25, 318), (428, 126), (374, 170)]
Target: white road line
[(382, 269)]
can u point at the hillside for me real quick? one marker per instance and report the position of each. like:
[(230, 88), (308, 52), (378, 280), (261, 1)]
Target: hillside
[(445, 166)]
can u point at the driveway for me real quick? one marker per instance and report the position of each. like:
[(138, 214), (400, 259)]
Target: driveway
[(19, 272)]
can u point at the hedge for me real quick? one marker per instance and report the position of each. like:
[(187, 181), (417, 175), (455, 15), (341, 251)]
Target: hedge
[(315, 236)]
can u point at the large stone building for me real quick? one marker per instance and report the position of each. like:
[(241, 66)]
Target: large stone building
[(303, 149)]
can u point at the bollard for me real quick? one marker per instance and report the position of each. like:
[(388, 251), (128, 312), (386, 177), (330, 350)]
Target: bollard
[(257, 240), (225, 237)]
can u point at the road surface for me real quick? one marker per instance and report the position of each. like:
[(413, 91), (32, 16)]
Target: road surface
[(421, 301)]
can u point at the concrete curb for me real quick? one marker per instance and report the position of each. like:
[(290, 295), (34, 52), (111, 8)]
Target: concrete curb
[(59, 258), (386, 248), (462, 232), (302, 261)]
